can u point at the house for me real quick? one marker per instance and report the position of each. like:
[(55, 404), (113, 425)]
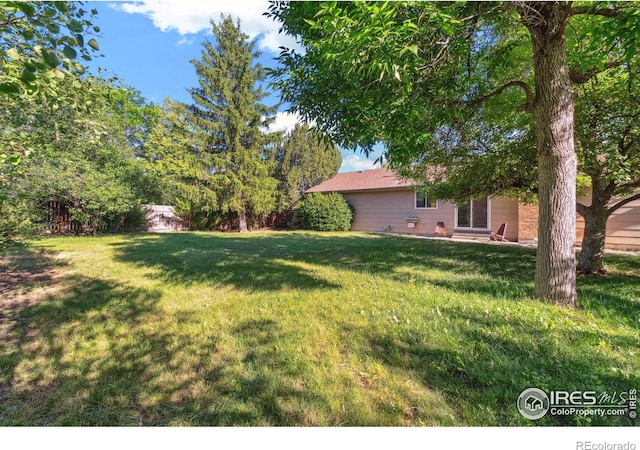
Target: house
[(385, 202), (533, 403)]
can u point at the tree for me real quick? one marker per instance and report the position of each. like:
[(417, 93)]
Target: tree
[(500, 154), (84, 161), (179, 171), (230, 118), (403, 73), (305, 159), (608, 141), (40, 44)]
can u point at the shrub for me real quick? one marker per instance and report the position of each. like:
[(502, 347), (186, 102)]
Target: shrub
[(325, 212)]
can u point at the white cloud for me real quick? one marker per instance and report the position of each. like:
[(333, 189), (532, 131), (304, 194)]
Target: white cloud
[(353, 162), (285, 121), (193, 16), (185, 41)]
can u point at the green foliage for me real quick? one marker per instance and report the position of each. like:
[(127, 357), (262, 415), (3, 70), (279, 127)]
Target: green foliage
[(179, 172), (607, 129), (84, 160), (228, 117), (41, 44), (304, 160), (325, 212)]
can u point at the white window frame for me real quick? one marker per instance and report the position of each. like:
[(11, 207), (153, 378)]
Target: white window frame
[(472, 228), (415, 202)]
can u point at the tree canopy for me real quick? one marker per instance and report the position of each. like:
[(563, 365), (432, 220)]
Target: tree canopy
[(84, 161), (414, 74), (231, 118), (42, 45), (303, 160)]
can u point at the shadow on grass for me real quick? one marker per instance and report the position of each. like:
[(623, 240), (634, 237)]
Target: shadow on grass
[(98, 353), (252, 264), (484, 371), (273, 261)]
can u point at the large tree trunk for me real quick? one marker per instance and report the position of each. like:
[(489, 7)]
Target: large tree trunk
[(591, 258), (555, 278)]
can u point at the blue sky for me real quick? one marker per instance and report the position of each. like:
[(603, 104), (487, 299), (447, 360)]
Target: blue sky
[(149, 46)]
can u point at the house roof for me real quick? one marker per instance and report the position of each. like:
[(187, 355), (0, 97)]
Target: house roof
[(375, 179)]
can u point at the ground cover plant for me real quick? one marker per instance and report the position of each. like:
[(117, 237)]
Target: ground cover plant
[(300, 328)]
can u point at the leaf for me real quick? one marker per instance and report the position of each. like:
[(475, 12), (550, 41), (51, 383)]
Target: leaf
[(26, 8), (75, 26), (69, 52), (50, 59), (61, 6), (96, 29), (13, 53), (53, 27), (93, 44), (9, 88), (79, 39), (27, 76)]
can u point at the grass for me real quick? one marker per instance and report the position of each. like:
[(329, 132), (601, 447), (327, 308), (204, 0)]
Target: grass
[(300, 329)]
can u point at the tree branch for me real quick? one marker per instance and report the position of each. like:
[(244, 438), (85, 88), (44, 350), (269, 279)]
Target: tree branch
[(10, 21), (630, 184), (528, 106), (623, 202), (577, 76), (590, 10), (582, 209)]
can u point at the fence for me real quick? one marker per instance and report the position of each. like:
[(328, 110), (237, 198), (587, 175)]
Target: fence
[(160, 218), (58, 219)]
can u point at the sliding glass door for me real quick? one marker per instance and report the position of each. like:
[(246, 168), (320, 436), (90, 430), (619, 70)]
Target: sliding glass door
[(473, 214)]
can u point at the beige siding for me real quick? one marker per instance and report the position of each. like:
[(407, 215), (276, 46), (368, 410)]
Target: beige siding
[(377, 211), (505, 210), (623, 227), (387, 210)]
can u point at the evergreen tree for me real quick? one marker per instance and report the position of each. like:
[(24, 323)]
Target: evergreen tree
[(229, 118), (304, 160), (181, 173)]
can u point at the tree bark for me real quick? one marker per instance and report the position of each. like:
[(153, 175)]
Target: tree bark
[(555, 278), (242, 220), (591, 258)]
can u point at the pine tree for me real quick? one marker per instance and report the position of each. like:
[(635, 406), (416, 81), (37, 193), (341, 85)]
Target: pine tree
[(230, 118), (305, 159)]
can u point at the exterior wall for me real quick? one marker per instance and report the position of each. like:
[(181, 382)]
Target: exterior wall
[(527, 222), (505, 210), (623, 227), (162, 219), (387, 210)]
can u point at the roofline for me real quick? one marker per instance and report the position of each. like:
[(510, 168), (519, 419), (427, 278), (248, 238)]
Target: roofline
[(341, 191)]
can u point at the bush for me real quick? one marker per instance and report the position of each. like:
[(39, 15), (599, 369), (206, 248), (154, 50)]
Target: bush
[(325, 212)]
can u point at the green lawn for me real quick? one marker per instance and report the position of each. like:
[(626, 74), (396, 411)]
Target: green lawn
[(299, 329)]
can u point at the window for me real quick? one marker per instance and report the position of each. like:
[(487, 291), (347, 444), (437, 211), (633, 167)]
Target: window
[(423, 201)]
